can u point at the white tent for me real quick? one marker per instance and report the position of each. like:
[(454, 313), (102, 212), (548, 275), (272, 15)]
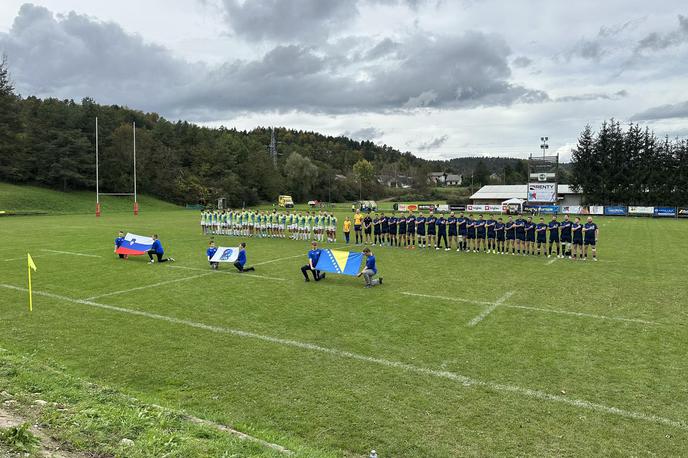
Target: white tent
[(514, 201)]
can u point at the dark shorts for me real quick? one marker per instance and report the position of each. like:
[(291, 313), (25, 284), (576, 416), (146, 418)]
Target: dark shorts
[(590, 242), (491, 235), (452, 232), (402, 230), (530, 237), (463, 233), (385, 230), (357, 227), (553, 240), (480, 235), (500, 236), (577, 242), (565, 239), (541, 240), (470, 235), (431, 231), (521, 237), (393, 230), (411, 230)]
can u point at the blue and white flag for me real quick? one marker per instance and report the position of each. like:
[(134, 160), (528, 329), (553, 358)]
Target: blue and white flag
[(225, 254), (339, 262), (135, 245)]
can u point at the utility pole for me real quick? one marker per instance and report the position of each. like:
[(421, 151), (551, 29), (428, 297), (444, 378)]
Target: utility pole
[(273, 146), (544, 146)]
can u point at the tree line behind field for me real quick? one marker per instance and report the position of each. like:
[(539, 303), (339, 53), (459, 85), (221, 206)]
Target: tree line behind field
[(51, 142), (630, 167)]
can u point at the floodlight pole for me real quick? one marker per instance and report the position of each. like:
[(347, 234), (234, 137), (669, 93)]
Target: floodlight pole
[(97, 188), (544, 146), (136, 203)]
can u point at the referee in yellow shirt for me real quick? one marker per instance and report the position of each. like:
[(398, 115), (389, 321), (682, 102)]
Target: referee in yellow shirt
[(347, 229), (358, 218)]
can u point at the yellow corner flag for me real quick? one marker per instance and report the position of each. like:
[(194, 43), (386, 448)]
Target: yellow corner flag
[(31, 265)]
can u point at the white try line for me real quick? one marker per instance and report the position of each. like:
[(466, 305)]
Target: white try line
[(534, 309), (280, 259), (243, 274), (550, 262), (490, 308), (461, 379), (138, 288)]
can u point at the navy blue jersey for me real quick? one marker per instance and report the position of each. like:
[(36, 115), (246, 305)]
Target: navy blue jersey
[(541, 229), (566, 230), (530, 231), (480, 228), (490, 226), (377, 226), (590, 231), (461, 222), (441, 225), (367, 223), (510, 227), (577, 232), (500, 230), (411, 224), (470, 228), (402, 225), (452, 225), (431, 224), (520, 226), (554, 231), (420, 225), (385, 224)]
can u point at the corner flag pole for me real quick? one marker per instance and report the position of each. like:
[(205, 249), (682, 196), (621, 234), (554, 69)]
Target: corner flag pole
[(136, 203), (97, 189), (30, 265)]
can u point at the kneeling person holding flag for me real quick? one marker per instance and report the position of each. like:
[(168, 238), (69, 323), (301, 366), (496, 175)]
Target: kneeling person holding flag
[(370, 270), (241, 259), (313, 257)]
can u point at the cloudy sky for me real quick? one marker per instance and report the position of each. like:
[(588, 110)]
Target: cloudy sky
[(439, 78)]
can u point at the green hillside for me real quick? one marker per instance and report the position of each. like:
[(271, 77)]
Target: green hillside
[(31, 199)]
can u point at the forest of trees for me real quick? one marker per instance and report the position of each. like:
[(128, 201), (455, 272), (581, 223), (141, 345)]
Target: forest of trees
[(630, 167), (50, 142)]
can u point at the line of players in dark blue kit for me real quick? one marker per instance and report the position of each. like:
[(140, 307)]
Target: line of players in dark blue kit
[(521, 236)]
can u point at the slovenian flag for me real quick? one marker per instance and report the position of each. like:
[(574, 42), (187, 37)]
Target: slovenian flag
[(339, 262), (135, 245), (225, 254)]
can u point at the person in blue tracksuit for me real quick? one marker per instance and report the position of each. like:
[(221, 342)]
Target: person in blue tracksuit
[(313, 257), (158, 251), (370, 269), (240, 263), (119, 240), (210, 252)]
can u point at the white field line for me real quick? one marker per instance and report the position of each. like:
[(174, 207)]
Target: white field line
[(550, 262), (535, 309), (462, 379), (447, 298), (490, 308), (245, 274), (54, 253), (148, 286), (280, 259), (73, 253)]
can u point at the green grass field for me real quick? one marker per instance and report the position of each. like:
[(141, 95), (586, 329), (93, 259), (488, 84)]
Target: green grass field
[(575, 359)]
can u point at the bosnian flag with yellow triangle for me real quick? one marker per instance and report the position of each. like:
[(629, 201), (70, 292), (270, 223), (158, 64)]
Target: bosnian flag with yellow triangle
[(339, 262)]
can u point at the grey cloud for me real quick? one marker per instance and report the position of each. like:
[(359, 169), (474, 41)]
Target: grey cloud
[(366, 133), (593, 96), (384, 48), (657, 41), (433, 144), (293, 20), (522, 62), (602, 44), (677, 110), (75, 56)]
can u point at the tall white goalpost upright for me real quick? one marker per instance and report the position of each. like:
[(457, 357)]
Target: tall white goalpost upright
[(98, 193)]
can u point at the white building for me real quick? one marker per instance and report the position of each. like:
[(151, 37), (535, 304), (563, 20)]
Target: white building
[(496, 194)]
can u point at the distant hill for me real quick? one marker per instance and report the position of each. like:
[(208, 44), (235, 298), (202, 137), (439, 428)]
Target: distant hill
[(32, 199)]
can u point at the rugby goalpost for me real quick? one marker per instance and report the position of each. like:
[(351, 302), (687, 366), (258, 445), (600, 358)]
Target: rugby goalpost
[(98, 193)]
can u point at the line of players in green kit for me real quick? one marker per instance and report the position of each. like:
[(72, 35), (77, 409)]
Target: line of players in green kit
[(519, 236), (312, 225)]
